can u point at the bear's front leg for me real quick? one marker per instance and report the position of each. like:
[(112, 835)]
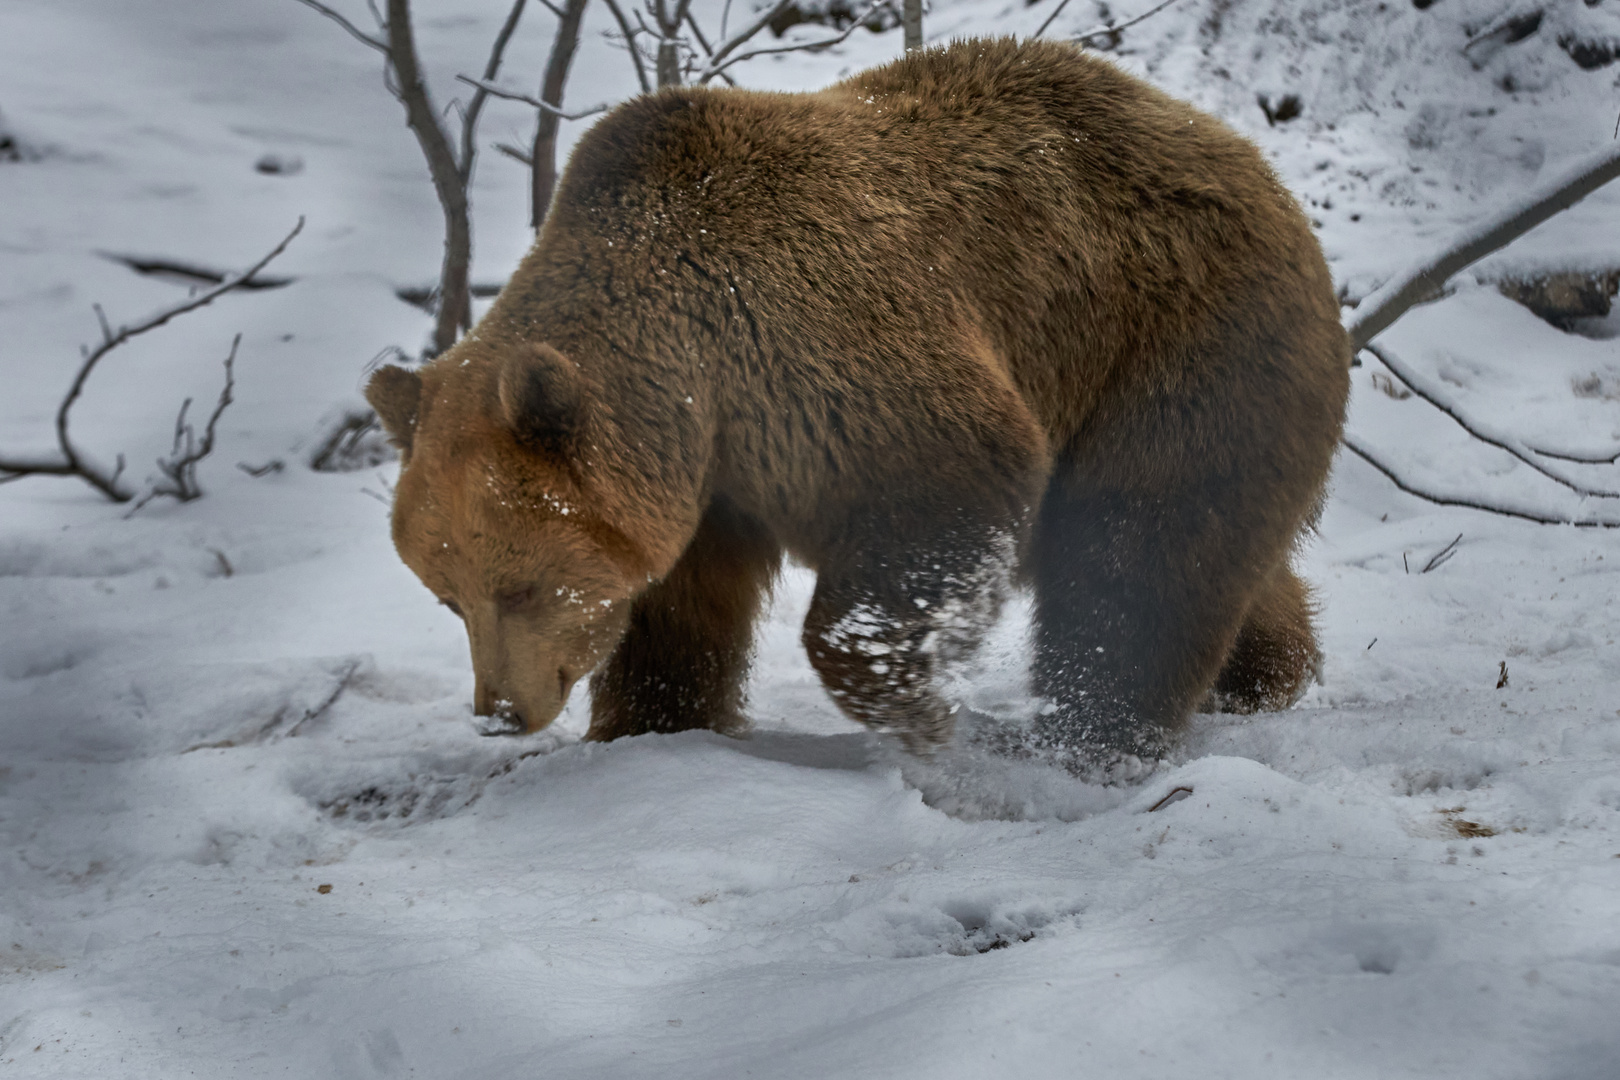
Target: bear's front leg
[(684, 659), (878, 634)]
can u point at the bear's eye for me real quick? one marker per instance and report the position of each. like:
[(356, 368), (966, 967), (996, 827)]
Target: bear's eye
[(455, 608), (515, 599)]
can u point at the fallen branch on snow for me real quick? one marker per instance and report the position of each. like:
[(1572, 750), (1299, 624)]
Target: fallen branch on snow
[(179, 469), (1442, 498), (1494, 436), (1426, 278), (69, 459)]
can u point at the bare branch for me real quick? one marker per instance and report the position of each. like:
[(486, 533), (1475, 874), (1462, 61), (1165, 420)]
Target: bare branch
[(730, 45), (520, 156), (469, 120), (1361, 450), (455, 305), (179, 469), (69, 460), (529, 99), (354, 31), (543, 147), (1421, 281), (630, 43), (1110, 29), (1502, 440), (553, 8), (703, 43), (717, 66), (1106, 29)]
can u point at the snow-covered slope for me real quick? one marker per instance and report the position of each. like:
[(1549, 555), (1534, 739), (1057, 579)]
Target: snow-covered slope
[(246, 828)]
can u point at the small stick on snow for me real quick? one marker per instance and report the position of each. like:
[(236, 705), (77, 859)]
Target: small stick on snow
[(1175, 795), (1441, 557)]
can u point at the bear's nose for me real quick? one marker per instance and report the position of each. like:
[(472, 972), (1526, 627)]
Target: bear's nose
[(494, 715)]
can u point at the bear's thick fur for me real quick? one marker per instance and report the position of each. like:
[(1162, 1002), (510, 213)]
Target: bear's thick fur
[(992, 308)]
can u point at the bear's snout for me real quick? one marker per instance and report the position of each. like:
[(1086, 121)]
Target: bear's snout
[(499, 712), (497, 715)]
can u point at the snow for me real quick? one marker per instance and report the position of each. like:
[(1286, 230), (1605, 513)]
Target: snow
[(211, 712)]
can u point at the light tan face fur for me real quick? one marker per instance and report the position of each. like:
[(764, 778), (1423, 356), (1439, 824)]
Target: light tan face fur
[(494, 529)]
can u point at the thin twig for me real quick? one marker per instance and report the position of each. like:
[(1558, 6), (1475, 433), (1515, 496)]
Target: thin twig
[(1431, 393), (703, 43), (716, 66), (630, 43), (553, 84), (529, 99), (180, 467), (730, 45), (354, 31), (1442, 556), (1361, 450), (523, 157), (1105, 30), (318, 711), (469, 120)]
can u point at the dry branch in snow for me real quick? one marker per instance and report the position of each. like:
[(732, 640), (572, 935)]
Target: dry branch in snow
[(1426, 278), (1534, 456), (179, 469), (1494, 506), (1431, 392), (71, 460)]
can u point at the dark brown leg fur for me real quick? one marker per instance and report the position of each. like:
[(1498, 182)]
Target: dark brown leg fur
[(682, 663), (1127, 641), (1275, 655), (1143, 580)]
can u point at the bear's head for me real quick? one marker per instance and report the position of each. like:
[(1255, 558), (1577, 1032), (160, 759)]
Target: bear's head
[(492, 512)]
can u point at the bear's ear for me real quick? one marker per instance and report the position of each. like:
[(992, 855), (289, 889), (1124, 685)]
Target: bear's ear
[(396, 394), (542, 397)]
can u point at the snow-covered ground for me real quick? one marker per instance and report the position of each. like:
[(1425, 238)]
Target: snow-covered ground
[(246, 827)]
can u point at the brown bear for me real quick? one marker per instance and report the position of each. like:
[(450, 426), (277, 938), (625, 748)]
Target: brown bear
[(993, 312)]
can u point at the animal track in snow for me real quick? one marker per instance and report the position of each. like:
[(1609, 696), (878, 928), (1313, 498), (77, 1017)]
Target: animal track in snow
[(416, 799), (968, 927)]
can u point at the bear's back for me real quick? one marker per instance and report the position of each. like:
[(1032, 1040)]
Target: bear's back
[(1018, 194)]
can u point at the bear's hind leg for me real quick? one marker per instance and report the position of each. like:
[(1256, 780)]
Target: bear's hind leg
[(1275, 656), (1138, 599), (682, 663)]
